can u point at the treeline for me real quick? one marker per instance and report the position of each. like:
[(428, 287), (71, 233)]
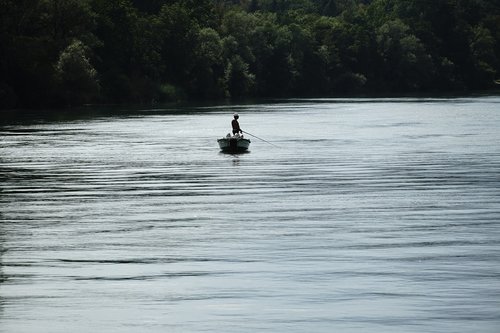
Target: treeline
[(69, 52)]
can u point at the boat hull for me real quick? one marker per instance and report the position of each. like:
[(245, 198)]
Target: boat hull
[(233, 145)]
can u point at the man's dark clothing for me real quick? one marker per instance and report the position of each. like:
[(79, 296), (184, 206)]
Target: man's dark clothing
[(236, 127)]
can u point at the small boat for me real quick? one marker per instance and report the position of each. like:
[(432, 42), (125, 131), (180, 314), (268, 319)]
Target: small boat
[(233, 144)]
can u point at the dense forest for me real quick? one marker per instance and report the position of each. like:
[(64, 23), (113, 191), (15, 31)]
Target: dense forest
[(72, 52)]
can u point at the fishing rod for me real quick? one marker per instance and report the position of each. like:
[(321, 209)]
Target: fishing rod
[(260, 138)]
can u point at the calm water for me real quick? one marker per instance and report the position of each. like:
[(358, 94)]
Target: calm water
[(368, 216)]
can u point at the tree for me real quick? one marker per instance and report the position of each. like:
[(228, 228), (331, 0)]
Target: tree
[(270, 43), (239, 80), (485, 61), (76, 76), (209, 81), (406, 65), (32, 35), (64, 20), (125, 52), (310, 61), (177, 31), (56, 51)]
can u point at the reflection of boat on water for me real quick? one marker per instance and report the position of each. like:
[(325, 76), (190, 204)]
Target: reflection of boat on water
[(234, 144)]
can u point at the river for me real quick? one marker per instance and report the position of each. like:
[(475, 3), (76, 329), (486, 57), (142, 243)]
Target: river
[(365, 215)]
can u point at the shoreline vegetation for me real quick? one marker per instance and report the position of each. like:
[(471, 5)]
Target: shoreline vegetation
[(68, 53)]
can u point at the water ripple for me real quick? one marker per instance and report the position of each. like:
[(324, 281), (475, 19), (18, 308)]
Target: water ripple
[(369, 216)]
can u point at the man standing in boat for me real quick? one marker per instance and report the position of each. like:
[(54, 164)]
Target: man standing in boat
[(236, 125)]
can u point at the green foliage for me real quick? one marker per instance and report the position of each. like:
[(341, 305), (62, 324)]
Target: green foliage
[(76, 76), (482, 48), (406, 66), (170, 93), (32, 36), (239, 80), (209, 66), (68, 52)]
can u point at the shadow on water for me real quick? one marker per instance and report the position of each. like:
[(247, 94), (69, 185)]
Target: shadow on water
[(235, 156), (27, 117), (233, 153), (90, 112)]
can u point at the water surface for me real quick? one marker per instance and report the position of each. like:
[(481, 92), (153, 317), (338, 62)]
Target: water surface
[(368, 215)]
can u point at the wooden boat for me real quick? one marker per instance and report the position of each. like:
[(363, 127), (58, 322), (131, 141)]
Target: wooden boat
[(233, 144)]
